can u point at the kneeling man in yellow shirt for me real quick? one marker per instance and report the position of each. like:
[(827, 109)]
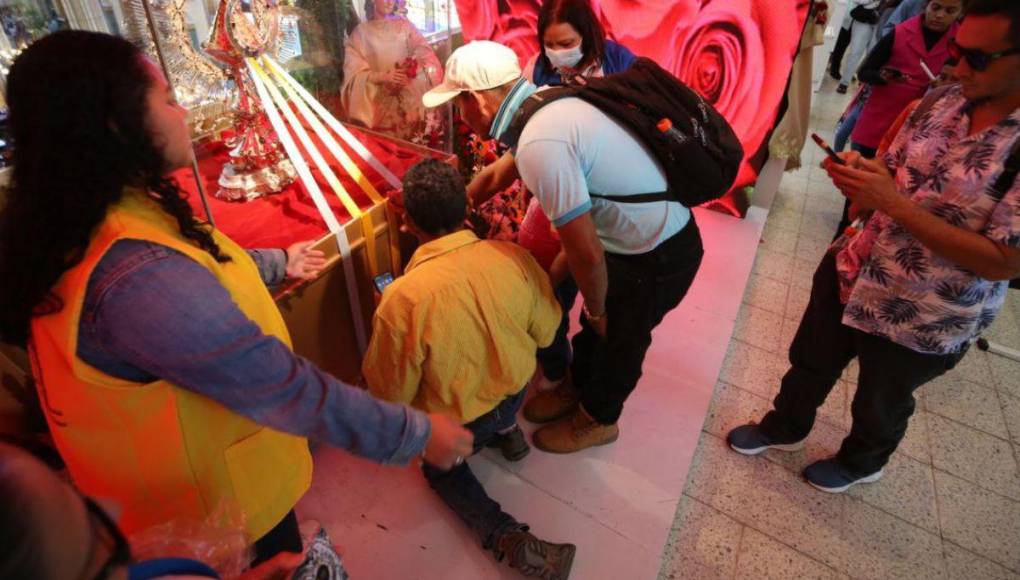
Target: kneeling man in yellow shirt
[(457, 334)]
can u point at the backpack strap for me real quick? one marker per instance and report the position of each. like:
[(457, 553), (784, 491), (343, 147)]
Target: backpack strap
[(533, 104), (637, 198), (529, 107)]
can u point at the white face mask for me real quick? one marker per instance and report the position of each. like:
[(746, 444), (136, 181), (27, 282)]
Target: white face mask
[(565, 58)]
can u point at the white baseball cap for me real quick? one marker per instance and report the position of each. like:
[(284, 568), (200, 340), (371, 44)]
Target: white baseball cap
[(476, 66)]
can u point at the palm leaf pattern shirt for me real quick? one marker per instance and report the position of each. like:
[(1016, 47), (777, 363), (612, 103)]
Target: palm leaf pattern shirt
[(904, 291)]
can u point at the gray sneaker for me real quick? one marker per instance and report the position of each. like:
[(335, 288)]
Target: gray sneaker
[(751, 440)]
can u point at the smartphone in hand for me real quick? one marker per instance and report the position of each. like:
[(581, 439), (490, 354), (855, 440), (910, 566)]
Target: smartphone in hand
[(828, 150), (894, 74)]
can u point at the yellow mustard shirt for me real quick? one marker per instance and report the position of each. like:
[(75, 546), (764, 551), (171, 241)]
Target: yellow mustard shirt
[(457, 333)]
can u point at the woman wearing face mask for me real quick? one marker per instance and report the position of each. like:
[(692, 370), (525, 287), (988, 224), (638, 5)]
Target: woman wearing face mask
[(573, 44)]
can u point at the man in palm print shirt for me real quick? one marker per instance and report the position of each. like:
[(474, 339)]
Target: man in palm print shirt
[(929, 270)]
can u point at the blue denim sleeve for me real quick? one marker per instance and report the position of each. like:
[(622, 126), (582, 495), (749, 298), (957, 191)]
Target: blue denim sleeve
[(272, 264), (157, 311)]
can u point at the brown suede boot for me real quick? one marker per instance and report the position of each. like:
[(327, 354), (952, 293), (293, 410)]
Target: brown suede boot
[(536, 558), (574, 433), (551, 405)]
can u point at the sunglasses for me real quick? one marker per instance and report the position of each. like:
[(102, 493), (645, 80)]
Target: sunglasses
[(976, 59)]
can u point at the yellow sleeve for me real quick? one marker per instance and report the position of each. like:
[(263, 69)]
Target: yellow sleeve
[(546, 314), (393, 362)]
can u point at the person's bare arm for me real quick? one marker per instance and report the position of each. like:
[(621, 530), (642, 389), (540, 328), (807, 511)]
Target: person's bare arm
[(492, 180), (587, 263), (870, 186)]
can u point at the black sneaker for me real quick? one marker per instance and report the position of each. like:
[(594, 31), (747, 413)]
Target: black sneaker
[(831, 477), (513, 444), (751, 440), (537, 559), (841, 89)]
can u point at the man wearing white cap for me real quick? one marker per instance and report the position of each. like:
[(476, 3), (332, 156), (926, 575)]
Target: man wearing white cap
[(633, 262)]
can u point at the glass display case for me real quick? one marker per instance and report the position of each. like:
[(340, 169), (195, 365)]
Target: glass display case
[(316, 44), (305, 114)]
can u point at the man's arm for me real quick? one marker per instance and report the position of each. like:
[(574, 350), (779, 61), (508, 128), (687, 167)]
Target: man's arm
[(492, 180), (587, 262), (551, 169), (870, 185), (870, 70)]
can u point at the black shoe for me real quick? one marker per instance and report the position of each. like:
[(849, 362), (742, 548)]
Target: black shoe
[(537, 559), (835, 74), (751, 440), (841, 89), (513, 444), (830, 476)]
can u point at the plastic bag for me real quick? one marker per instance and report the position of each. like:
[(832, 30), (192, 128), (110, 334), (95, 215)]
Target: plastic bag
[(219, 541)]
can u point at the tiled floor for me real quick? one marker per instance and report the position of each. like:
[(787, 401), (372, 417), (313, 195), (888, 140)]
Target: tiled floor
[(949, 505)]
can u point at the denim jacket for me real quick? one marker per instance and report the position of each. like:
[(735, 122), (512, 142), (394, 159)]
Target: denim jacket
[(150, 312)]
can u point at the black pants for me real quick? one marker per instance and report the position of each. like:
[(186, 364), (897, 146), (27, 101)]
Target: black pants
[(555, 358), (839, 49), (285, 537), (642, 289), (889, 374)]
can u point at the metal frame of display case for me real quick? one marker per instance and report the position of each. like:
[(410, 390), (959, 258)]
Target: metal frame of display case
[(319, 313)]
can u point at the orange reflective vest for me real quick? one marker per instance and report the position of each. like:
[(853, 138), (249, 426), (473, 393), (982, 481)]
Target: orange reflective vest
[(161, 451)]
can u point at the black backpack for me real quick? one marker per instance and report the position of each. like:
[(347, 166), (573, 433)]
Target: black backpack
[(696, 148)]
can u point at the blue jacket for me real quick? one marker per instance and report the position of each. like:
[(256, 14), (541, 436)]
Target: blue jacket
[(618, 58)]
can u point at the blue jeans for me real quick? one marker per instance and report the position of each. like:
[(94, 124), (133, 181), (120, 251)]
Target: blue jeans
[(556, 357), (846, 127), (461, 490)]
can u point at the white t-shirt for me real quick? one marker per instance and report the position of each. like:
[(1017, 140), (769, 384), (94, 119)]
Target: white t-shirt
[(569, 148)]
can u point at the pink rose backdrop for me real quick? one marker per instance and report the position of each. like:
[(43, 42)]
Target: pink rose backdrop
[(736, 53)]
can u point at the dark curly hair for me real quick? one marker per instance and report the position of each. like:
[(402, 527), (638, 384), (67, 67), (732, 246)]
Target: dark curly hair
[(435, 197), (78, 120)]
